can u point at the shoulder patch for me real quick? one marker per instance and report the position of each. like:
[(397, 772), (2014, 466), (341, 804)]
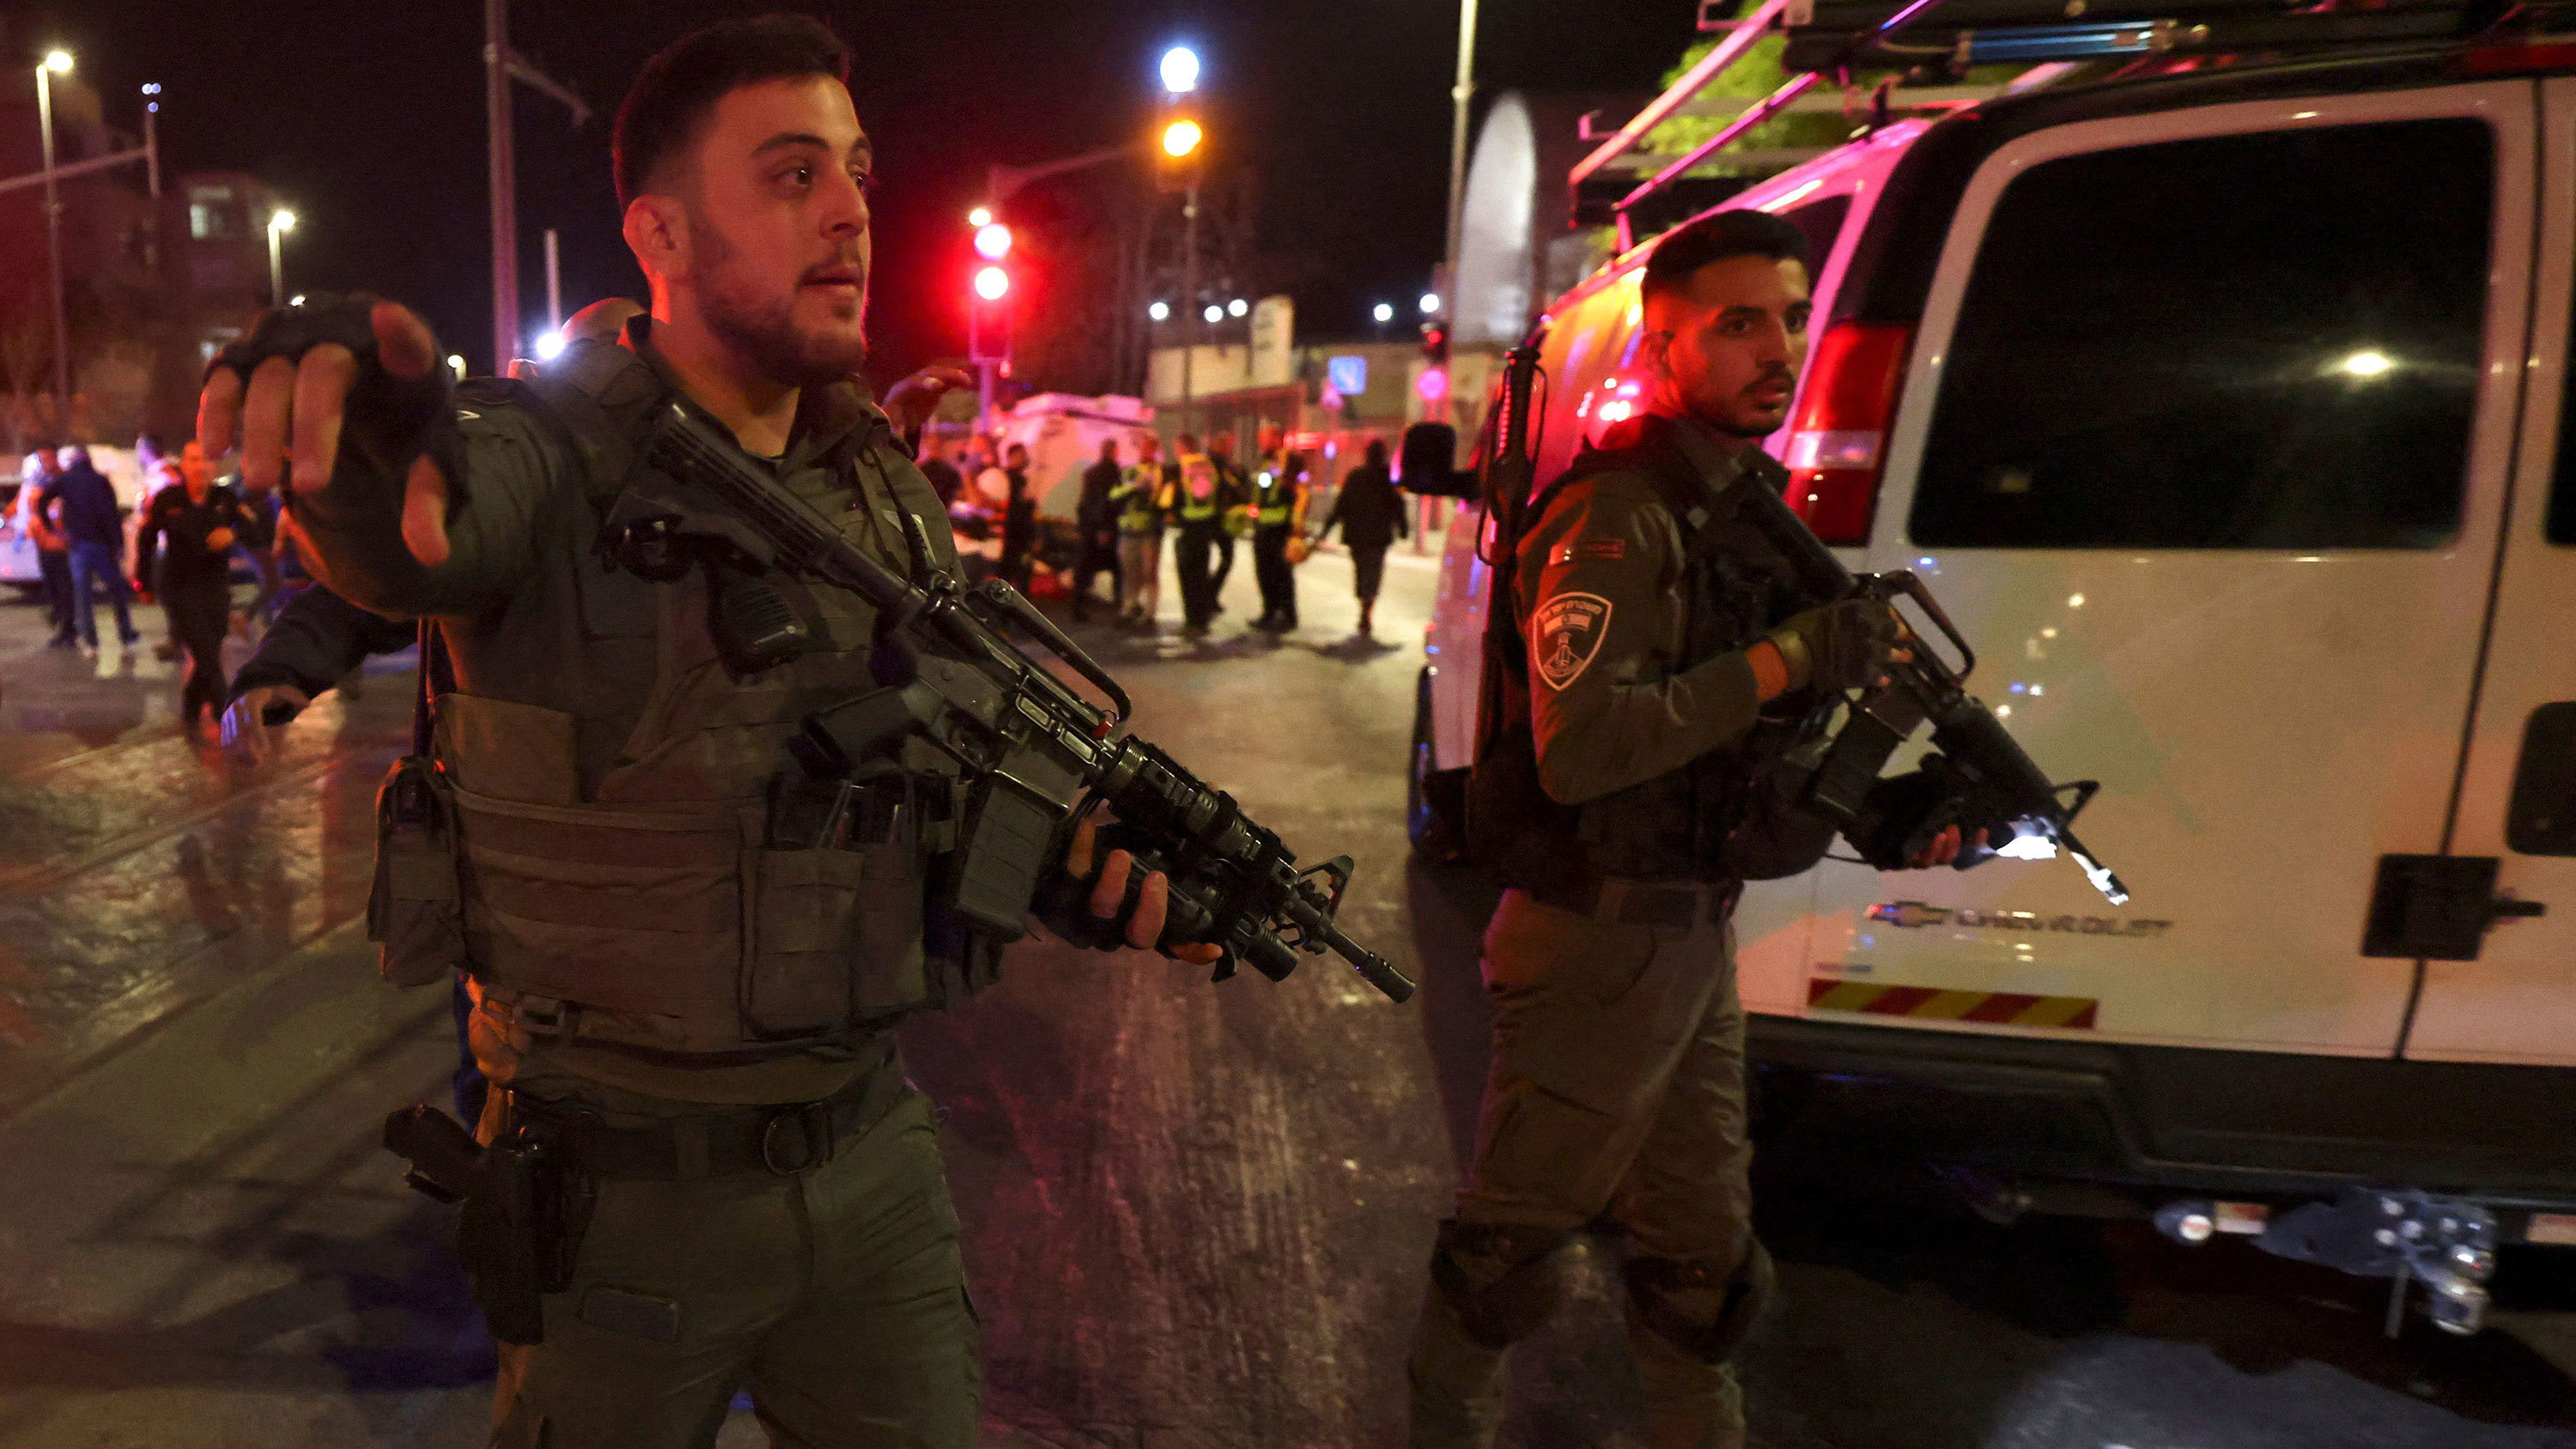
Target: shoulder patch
[(1565, 635)]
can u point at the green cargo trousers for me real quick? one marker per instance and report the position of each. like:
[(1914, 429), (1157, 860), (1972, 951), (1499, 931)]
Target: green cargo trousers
[(836, 1297), (1617, 1086)]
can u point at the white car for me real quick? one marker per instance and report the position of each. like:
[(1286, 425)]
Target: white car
[(2222, 410)]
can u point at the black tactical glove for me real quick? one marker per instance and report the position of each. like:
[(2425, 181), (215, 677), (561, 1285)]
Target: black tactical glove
[(1902, 814), (1843, 645), (1063, 903), (389, 420)]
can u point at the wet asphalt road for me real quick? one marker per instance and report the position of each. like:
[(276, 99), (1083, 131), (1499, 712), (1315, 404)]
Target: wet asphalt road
[(1196, 1215)]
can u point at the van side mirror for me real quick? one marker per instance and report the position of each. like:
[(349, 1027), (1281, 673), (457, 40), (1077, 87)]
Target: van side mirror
[(1427, 464)]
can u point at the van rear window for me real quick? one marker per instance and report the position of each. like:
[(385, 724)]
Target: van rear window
[(2234, 342)]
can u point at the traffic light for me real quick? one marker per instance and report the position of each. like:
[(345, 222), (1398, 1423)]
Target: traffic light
[(1432, 383), (988, 311), (1179, 141)]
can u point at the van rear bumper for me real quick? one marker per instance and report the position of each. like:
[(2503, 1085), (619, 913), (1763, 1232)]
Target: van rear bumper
[(2174, 1119)]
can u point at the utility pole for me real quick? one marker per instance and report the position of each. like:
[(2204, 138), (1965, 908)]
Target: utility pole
[(152, 140), (554, 283), (1189, 298), (1461, 93), (505, 199), (56, 63)]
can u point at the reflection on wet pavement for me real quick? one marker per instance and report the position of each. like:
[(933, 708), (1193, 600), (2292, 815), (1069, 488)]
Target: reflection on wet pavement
[(141, 869)]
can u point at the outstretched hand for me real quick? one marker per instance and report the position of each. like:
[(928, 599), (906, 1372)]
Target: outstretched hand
[(298, 408), (910, 403), (245, 727), (1153, 899)]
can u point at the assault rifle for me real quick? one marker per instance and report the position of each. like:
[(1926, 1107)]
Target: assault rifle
[(1980, 777), (1033, 751), (1984, 777)]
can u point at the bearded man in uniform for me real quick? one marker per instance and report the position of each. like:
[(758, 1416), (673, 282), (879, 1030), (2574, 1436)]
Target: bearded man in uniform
[(1659, 660), (684, 998)]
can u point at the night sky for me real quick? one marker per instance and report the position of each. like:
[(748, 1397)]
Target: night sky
[(368, 117)]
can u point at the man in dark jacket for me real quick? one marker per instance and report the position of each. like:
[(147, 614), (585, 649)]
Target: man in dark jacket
[(1371, 515), (81, 506), (1019, 521), (1097, 520), (203, 522), (944, 478)]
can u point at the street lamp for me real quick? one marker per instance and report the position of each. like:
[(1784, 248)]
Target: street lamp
[(1177, 169), (1237, 307), (1430, 303), (56, 62), (1160, 311), (1383, 313), (1214, 313), (280, 222)]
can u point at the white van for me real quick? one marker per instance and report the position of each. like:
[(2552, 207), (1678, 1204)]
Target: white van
[(2223, 411)]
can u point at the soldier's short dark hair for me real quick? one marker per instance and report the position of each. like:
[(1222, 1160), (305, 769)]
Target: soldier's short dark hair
[(1715, 238), (670, 99)]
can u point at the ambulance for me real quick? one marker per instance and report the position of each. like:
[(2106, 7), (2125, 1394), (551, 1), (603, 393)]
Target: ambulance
[(2224, 404)]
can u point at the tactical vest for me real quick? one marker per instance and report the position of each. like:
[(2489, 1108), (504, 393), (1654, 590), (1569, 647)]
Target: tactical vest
[(1688, 824), (650, 887), (1140, 511), (1274, 495), (1193, 509)]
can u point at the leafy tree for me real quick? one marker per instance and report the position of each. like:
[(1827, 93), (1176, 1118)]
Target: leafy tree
[(1755, 74)]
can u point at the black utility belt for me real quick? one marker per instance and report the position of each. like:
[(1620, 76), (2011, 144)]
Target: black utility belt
[(1675, 906), (782, 1140)]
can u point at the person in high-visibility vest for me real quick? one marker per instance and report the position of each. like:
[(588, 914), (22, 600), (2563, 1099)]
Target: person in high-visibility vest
[(1142, 504), (1234, 495), (1278, 518), (1199, 510)]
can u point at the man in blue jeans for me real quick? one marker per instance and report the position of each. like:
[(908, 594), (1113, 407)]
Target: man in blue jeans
[(81, 505)]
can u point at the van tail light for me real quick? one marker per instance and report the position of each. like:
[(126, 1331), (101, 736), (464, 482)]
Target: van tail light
[(1838, 438)]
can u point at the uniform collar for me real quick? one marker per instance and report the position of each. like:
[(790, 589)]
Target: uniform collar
[(835, 421), (1718, 463)]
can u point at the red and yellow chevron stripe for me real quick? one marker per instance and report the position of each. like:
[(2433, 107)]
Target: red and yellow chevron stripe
[(2002, 1008)]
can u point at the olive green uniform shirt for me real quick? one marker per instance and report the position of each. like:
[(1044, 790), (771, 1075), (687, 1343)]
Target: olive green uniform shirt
[(1605, 603)]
